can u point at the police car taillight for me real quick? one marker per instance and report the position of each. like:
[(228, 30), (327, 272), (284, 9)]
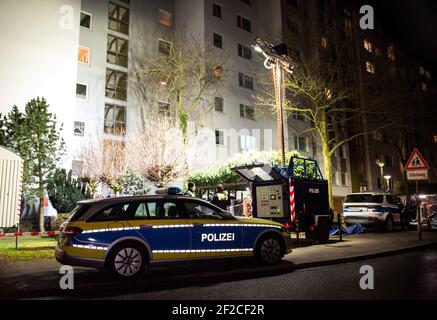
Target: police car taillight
[(72, 231)]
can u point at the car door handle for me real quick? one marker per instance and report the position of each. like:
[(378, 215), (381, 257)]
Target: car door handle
[(146, 226), (197, 224)]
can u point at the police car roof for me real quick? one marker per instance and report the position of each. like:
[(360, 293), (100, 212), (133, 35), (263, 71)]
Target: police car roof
[(138, 198)]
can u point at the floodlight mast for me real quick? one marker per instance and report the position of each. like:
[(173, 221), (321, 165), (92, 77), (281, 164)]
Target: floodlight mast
[(278, 63)]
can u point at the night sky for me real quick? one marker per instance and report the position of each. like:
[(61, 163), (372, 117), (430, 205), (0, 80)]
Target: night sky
[(412, 24)]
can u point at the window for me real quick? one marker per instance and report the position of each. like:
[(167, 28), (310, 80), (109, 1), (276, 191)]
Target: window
[(195, 210), (324, 42), (217, 10), (247, 143), (300, 143), (79, 129), (165, 18), (159, 210), (115, 119), (164, 47), (219, 138), (424, 86), (119, 211), (378, 52), (218, 41), (370, 67), (344, 179), (244, 51), (368, 45), (164, 109), (81, 91), (118, 18), (116, 84), (377, 136), (247, 112), (84, 55), (391, 52), (243, 23), (86, 20), (218, 104), (117, 51), (245, 81)]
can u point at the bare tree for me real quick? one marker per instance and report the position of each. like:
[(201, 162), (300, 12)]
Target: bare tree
[(104, 161), (324, 90), (157, 152), (182, 77)]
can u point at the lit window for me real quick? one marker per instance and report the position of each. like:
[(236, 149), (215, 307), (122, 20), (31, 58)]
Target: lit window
[(435, 139), (245, 81), (328, 94), (218, 104), (217, 10), (219, 138), (118, 18), (247, 112), (348, 24), (115, 119), (117, 51), (377, 136), (79, 129), (165, 18), (324, 42), (86, 20), (217, 71), (243, 23), (424, 87), (300, 143), (164, 109), (84, 55), (391, 52), (247, 143), (81, 91), (368, 45), (428, 75), (218, 41), (244, 51), (164, 47), (370, 67), (116, 84)]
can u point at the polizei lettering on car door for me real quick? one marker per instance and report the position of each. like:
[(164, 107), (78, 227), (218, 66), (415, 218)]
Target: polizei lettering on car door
[(218, 237)]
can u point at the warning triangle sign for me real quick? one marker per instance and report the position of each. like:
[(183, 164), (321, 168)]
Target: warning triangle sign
[(416, 162)]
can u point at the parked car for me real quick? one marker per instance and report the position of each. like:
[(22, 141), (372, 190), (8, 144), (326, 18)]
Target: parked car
[(127, 234), (374, 209)]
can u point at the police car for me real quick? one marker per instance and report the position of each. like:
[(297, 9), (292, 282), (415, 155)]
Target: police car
[(127, 234)]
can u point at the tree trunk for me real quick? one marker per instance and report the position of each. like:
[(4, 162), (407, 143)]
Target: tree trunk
[(41, 206), (327, 161)]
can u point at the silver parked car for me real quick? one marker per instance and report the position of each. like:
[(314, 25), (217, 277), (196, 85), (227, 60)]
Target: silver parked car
[(373, 209)]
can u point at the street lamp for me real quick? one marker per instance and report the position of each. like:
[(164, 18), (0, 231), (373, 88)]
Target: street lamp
[(276, 59), (381, 165), (387, 179)]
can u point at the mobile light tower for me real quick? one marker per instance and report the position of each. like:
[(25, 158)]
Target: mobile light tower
[(276, 59), (381, 165)]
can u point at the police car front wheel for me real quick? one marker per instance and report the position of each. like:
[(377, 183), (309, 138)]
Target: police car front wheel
[(269, 250), (127, 261)]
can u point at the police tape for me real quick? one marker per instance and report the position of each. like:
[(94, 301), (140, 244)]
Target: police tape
[(29, 234)]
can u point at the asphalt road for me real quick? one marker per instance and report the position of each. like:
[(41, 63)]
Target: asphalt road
[(404, 276)]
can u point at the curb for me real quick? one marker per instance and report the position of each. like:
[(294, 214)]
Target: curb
[(314, 264)]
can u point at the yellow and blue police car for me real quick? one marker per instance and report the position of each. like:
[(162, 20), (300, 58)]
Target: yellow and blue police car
[(127, 234)]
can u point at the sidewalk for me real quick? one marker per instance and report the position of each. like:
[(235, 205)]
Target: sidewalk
[(357, 247)]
